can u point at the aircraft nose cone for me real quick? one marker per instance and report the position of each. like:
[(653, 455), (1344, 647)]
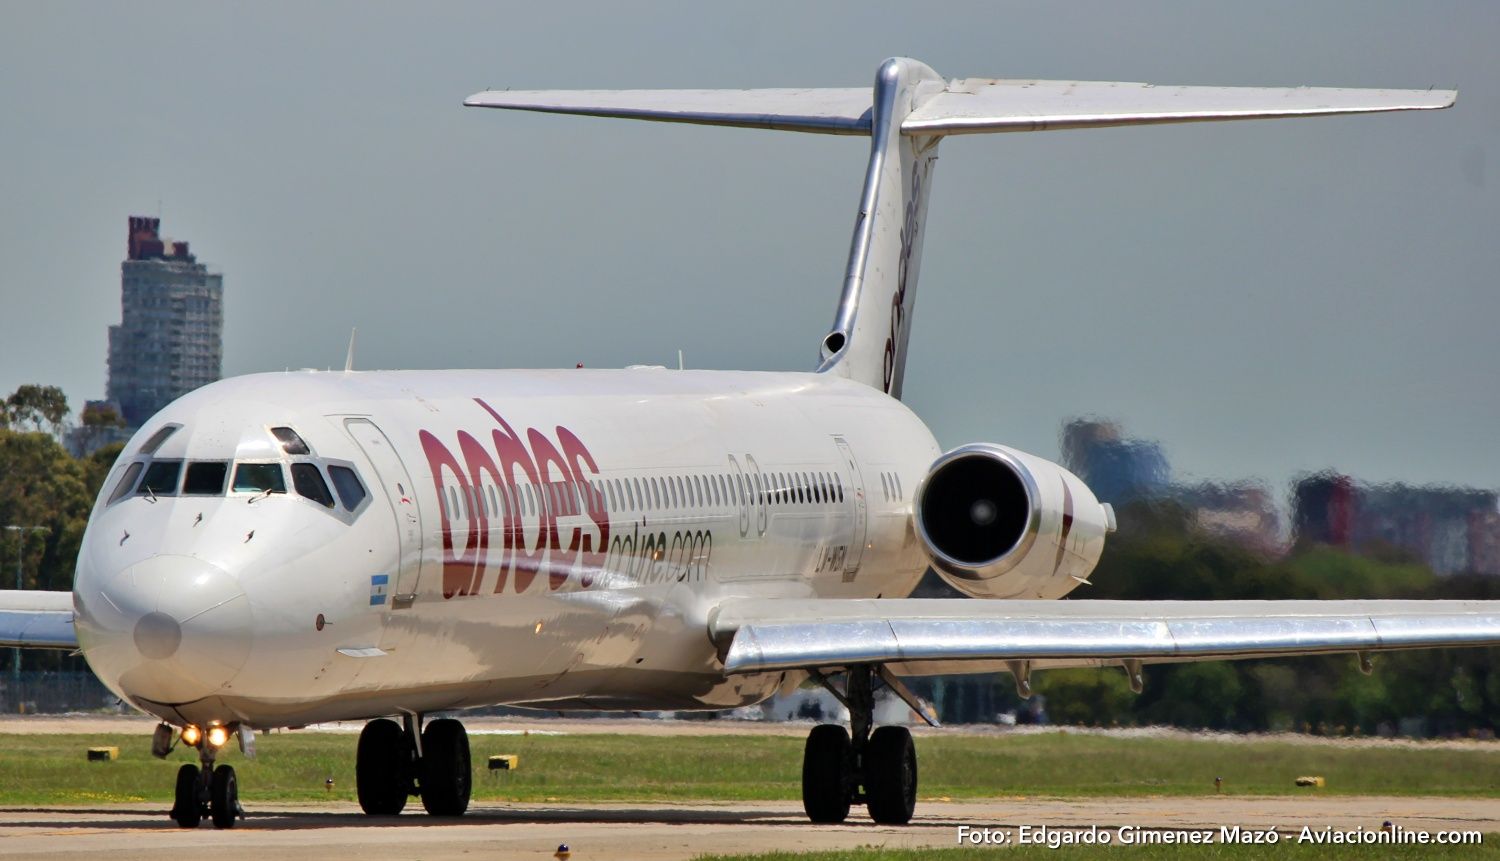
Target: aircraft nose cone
[(158, 635), (171, 629)]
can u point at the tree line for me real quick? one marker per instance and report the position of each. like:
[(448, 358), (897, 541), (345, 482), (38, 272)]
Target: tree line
[(43, 485), (1160, 554)]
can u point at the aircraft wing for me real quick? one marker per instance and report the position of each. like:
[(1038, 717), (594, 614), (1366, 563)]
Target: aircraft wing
[(37, 620), (916, 636)]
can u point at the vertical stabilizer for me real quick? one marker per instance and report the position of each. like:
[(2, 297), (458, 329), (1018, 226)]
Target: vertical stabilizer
[(907, 113), (869, 335)]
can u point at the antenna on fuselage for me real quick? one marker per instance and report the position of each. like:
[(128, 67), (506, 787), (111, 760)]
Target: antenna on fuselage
[(680, 366), (349, 357)]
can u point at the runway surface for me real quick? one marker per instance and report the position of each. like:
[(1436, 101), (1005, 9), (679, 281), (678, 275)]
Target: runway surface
[(660, 832)]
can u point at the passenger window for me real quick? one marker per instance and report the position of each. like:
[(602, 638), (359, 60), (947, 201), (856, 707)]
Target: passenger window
[(127, 482), (161, 478), (205, 478), (259, 478), (308, 481), (290, 442), (346, 482)]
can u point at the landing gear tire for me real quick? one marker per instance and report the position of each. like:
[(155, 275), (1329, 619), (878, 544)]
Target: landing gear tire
[(186, 809), (446, 775), (826, 771), (382, 768), (890, 775), (224, 805)]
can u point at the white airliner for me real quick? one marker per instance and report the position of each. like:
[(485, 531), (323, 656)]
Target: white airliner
[(281, 549)]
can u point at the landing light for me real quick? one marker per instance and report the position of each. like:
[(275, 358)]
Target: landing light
[(217, 735), (191, 735)]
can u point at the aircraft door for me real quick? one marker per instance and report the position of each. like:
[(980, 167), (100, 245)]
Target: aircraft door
[(858, 506), (396, 483)]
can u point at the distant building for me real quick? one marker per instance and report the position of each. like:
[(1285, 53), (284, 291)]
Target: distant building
[(1118, 470), (1244, 514), (170, 337), (1449, 529), (1324, 508)]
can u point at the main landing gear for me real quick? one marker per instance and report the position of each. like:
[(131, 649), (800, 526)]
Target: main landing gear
[(203, 790), (398, 760), (877, 769)]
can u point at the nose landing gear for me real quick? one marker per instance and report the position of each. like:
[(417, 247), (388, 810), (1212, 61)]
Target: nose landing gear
[(877, 769), (206, 790), (397, 761)]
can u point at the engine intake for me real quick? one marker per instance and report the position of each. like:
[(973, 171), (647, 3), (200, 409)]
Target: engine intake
[(1000, 523)]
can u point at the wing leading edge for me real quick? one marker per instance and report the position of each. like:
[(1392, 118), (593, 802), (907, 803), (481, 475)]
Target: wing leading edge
[(37, 620), (932, 636)]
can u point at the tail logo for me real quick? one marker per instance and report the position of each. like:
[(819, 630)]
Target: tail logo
[(909, 227)]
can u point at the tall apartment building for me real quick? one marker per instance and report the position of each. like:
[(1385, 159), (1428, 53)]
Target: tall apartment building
[(171, 333)]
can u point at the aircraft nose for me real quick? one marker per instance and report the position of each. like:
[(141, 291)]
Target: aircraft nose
[(174, 629)]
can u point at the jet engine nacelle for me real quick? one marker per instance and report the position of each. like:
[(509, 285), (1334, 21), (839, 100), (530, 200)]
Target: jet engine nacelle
[(1000, 523)]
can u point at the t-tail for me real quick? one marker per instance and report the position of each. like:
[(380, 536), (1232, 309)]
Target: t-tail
[(906, 114)]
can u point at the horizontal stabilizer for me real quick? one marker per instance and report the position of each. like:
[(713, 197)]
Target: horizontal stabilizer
[(838, 111), (968, 105), (987, 105)]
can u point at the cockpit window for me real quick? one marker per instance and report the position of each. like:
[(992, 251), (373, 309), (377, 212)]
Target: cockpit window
[(161, 478), (205, 478), (291, 443), (258, 478), (308, 482), (127, 482), (156, 439), (351, 491)]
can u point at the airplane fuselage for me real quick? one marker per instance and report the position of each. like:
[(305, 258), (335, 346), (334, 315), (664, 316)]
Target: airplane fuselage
[(550, 538)]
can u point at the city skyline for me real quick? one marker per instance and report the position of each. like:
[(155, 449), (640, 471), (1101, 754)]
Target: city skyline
[(1264, 299)]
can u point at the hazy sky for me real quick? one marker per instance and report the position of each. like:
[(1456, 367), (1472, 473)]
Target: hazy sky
[(1264, 298)]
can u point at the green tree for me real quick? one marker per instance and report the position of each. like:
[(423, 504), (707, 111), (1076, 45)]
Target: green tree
[(38, 405), (98, 419), (1085, 696)]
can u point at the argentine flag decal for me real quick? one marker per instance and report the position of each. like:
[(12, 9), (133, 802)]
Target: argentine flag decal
[(379, 588)]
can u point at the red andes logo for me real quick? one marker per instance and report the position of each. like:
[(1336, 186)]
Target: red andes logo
[(510, 467)]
